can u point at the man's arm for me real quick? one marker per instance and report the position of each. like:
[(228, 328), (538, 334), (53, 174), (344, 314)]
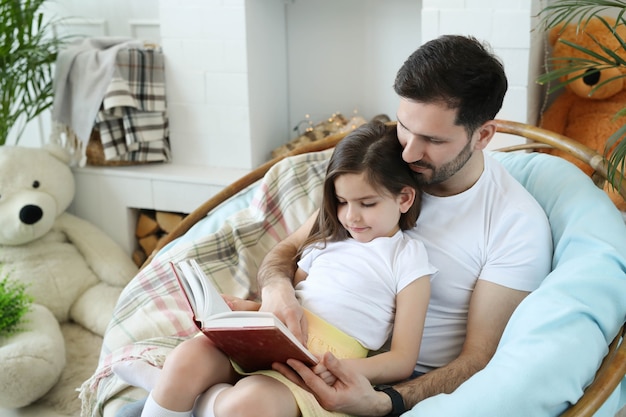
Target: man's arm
[(275, 278), (490, 308)]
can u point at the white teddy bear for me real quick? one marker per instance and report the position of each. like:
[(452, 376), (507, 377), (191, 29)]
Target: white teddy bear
[(74, 272)]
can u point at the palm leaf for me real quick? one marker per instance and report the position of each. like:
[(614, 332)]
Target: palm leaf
[(579, 11), (617, 158), (28, 51)]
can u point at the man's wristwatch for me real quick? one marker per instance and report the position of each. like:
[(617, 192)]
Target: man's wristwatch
[(397, 403)]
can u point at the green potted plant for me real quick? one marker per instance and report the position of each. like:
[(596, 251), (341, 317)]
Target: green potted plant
[(565, 70), (28, 51), (14, 303)]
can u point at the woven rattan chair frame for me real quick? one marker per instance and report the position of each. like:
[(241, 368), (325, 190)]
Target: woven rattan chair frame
[(613, 367)]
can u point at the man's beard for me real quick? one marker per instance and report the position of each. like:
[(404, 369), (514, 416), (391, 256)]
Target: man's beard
[(445, 171)]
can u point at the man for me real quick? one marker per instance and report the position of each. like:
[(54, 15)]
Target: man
[(487, 236)]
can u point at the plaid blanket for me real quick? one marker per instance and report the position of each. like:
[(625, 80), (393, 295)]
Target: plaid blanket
[(152, 317), (133, 120), (118, 86)]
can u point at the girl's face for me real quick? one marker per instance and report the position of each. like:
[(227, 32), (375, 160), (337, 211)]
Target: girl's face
[(366, 213)]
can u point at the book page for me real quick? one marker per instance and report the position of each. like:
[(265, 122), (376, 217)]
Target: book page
[(203, 297)]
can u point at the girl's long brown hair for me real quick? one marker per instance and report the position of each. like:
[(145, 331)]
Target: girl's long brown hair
[(372, 149)]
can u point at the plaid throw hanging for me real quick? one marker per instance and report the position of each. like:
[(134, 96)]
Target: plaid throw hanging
[(132, 119)]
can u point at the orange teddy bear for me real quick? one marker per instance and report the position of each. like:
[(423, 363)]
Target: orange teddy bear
[(577, 114)]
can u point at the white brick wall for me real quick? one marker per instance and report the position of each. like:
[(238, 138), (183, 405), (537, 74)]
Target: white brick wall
[(213, 77), (232, 99)]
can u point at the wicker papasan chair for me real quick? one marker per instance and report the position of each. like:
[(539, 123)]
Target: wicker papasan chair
[(560, 355)]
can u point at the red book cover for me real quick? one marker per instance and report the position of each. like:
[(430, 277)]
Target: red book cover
[(252, 339), (254, 348)]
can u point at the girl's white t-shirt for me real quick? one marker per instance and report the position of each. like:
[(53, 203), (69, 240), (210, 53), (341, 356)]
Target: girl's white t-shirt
[(353, 285)]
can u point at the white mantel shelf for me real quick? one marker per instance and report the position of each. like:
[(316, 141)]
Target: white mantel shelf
[(196, 174), (109, 197)]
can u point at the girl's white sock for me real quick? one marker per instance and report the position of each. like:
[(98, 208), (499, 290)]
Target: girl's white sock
[(141, 374), (152, 409), (137, 373), (204, 403)]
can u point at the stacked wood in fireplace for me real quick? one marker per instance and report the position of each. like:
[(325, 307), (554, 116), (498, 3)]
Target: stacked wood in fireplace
[(152, 226)]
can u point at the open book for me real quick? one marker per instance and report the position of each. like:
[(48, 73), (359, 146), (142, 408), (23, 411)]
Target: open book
[(252, 339)]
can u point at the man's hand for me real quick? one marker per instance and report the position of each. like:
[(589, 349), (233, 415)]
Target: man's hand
[(351, 393), (280, 299)]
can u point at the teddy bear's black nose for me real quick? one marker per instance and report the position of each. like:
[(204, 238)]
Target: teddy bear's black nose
[(592, 76), (30, 214)]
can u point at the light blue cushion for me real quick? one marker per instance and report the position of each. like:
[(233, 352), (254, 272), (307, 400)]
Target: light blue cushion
[(212, 222)]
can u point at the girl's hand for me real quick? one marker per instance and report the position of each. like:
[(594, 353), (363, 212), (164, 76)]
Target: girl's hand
[(323, 373), (239, 304)]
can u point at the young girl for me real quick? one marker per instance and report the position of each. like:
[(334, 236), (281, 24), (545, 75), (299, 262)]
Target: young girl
[(358, 271)]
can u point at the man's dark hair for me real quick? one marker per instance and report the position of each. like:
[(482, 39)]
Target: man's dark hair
[(458, 71)]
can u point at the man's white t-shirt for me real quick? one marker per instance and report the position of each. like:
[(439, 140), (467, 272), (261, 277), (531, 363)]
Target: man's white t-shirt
[(353, 285), (495, 231)]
